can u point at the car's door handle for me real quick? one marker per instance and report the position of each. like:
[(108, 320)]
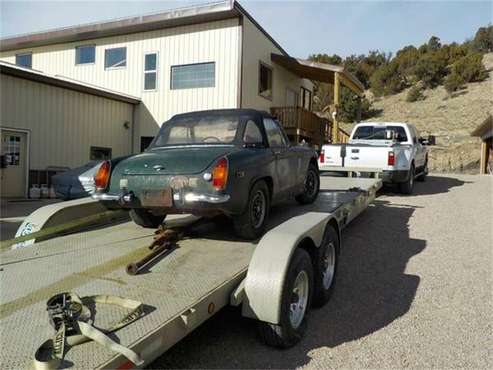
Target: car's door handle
[(354, 157)]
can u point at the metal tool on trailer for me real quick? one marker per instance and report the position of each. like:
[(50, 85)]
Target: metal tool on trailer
[(275, 280)]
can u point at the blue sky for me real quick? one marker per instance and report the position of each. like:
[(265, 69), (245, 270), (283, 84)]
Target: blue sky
[(301, 27)]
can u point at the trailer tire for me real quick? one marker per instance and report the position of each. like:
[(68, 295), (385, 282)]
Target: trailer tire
[(407, 186), (325, 265), (244, 224), (145, 218), (293, 315), (311, 186)]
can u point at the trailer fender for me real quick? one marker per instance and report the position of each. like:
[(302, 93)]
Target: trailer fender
[(268, 267)]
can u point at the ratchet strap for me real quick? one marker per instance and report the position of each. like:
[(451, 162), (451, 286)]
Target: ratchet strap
[(73, 322)]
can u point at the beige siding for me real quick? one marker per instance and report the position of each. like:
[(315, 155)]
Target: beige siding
[(63, 124), (258, 48), (207, 42)]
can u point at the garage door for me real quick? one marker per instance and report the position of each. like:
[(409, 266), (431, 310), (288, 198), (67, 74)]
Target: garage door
[(13, 176)]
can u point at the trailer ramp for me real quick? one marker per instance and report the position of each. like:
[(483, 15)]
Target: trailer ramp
[(179, 292)]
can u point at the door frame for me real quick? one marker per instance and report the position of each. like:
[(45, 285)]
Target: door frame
[(28, 152)]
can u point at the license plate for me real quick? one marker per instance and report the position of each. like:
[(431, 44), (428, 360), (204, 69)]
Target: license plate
[(157, 198)]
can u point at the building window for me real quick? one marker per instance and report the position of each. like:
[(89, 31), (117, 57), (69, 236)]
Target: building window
[(115, 58), (85, 54), (150, 71), (98, 153), (24, 60), (193, 76), (265, 81), (12, 149), (306, 98)]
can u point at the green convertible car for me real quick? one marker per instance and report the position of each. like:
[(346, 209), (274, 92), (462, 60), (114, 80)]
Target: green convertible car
[(236, 162)]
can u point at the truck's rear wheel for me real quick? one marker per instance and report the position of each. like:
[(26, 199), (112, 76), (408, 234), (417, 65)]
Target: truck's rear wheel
[(145, 218), (407, 186), (295, 303), (311, 186), (251, 223), (325, 267)]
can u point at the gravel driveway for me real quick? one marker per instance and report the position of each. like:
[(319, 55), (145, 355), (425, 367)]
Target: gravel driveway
[(414, 290)]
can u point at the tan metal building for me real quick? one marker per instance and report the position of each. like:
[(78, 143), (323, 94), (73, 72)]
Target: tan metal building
[(49, 123), (485, 132)]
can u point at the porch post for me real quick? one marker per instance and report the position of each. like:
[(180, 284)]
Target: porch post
[(337, 98)]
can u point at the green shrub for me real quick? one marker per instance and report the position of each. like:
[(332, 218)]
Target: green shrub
[(415, 93), (386, 80), (469, 68), (483, 40), (431, 68)]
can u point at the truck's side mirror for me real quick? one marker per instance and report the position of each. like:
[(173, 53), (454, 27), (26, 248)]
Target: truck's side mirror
[(389, 134), (423, 141)]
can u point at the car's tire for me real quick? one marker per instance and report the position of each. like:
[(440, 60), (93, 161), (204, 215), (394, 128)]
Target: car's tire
[(145, 218), (311, 186), (251, 223), (407, 186), (325, 263), (293, 315), (422, 176)]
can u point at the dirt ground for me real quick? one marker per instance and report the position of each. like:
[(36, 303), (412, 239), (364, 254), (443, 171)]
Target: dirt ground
[(413, 290)]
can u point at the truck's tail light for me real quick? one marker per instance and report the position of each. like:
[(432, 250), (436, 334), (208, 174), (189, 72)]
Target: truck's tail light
[(321, 157), (220, 174), (391, 159), (102, 177)]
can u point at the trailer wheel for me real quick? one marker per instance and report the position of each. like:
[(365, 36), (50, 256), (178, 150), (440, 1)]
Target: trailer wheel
[(295, 303), (311, 186), (251, 223), (145, 218), (325, 264), (407, 186)]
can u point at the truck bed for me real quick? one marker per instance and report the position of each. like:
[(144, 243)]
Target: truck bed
[(204, 268)]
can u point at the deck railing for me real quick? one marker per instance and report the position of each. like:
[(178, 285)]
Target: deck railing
[(303, 124)]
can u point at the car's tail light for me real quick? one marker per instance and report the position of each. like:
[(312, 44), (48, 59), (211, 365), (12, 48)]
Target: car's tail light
[(391, 159), (102, 177), (321, 157), (220, 174)]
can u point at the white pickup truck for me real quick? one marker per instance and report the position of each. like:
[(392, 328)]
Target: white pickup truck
[(393, 150)]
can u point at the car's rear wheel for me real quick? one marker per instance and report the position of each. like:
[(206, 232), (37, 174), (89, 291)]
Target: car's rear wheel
[(143, 217), (251, 223), (311, 186)]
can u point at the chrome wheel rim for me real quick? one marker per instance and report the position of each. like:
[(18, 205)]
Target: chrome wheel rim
[(311, 183), (258, 209), (299, 299), (328, 265)]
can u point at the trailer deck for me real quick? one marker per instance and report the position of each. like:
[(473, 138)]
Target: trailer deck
[(191, 283)]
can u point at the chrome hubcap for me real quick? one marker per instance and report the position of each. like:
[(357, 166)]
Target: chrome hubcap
[(258, 209), (328, 265), (299, 299)]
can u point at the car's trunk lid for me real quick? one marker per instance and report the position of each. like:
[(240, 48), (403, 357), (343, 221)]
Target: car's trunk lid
[(186, 160)]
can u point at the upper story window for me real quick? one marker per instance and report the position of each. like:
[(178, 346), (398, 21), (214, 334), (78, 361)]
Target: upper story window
[(193, 75), (24, 60), (306, 98), (150, 71), (85, 54), (115, 58), (265, 81)]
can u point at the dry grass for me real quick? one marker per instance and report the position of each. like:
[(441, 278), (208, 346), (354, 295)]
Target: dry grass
[(450, 118)]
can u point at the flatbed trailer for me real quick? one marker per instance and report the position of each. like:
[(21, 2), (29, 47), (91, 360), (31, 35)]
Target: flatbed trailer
[(182, 290)]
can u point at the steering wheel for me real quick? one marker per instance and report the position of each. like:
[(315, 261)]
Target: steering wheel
[(211, 137)]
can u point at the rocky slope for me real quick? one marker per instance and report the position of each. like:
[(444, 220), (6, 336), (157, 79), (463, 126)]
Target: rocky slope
[(450, 118)]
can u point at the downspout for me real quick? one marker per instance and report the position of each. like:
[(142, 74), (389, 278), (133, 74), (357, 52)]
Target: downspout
[(132, 130)]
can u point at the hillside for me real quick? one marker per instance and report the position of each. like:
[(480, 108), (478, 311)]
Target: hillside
[(450, 119)]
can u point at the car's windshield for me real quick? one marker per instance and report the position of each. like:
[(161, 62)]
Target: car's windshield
[(378, 133), (198, 130)]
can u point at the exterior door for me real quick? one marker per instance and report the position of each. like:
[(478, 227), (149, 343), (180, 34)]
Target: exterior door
[(13, 176)]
